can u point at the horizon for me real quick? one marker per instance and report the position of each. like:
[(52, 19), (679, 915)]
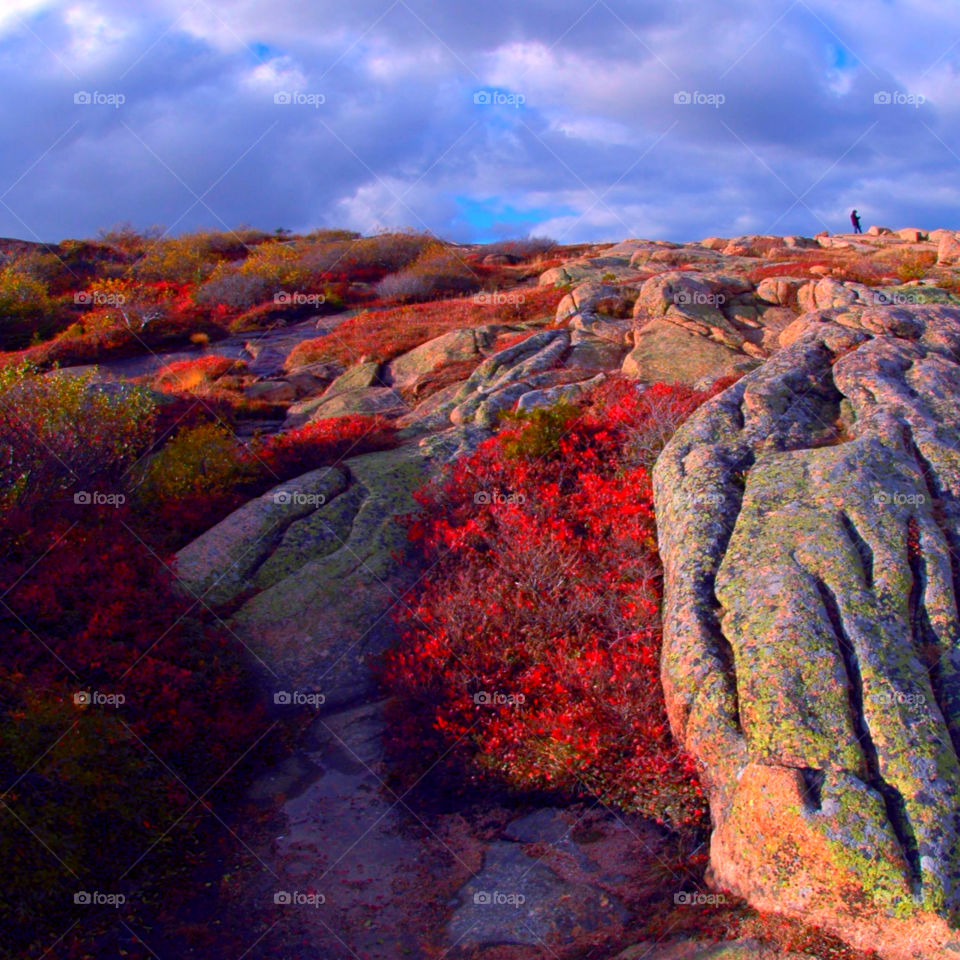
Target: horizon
[(586, 124)]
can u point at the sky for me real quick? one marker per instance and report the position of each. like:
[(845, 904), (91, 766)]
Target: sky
[(582, 120)]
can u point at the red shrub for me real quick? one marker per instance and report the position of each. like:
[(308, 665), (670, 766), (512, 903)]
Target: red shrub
[(533, 650), (90, 615), (192, 374), (384, 334), (322, 443)]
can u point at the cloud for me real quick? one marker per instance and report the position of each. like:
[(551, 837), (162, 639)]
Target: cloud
[(564, 117)]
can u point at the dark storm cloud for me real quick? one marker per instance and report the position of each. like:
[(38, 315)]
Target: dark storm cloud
[(785, 129)]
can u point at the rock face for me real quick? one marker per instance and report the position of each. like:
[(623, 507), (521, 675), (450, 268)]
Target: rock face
[(809, 522), (318, 554)]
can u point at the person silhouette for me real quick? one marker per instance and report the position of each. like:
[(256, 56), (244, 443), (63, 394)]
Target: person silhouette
[(855, 220)]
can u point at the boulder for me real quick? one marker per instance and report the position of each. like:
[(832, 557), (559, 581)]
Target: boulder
[(271, 391), (324, 579), (564, 393), (357, 377), (667, 352), (781, 291), (911, 235), (584, 299), (808, 521), (948, 250), (406, 371), (365, 401), (827, 293), (267, 361), (517, 899), (514, 367), (876, 231), (216, 565)]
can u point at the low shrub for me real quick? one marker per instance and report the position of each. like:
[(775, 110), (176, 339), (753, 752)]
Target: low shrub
[(322, 443), (196, 375), (916, 266), (532, 651), (436, 273), (203, 473), (522, 249), (62, 432), (384, 334)]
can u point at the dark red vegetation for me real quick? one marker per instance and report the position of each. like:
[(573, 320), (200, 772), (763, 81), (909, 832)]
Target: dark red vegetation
[(532, 652)]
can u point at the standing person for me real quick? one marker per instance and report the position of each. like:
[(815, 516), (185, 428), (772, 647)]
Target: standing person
[(855, 220)]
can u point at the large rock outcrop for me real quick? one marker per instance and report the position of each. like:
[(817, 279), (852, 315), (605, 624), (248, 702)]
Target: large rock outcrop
[(809, 524), (315, 567)]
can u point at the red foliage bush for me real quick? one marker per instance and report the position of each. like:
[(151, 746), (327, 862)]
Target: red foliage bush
[(119, 710), (203, 473), (319, 444), (533, 649), (384, 334), (191, 374)]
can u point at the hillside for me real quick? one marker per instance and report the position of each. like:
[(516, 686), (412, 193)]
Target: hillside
[(383, 597)]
